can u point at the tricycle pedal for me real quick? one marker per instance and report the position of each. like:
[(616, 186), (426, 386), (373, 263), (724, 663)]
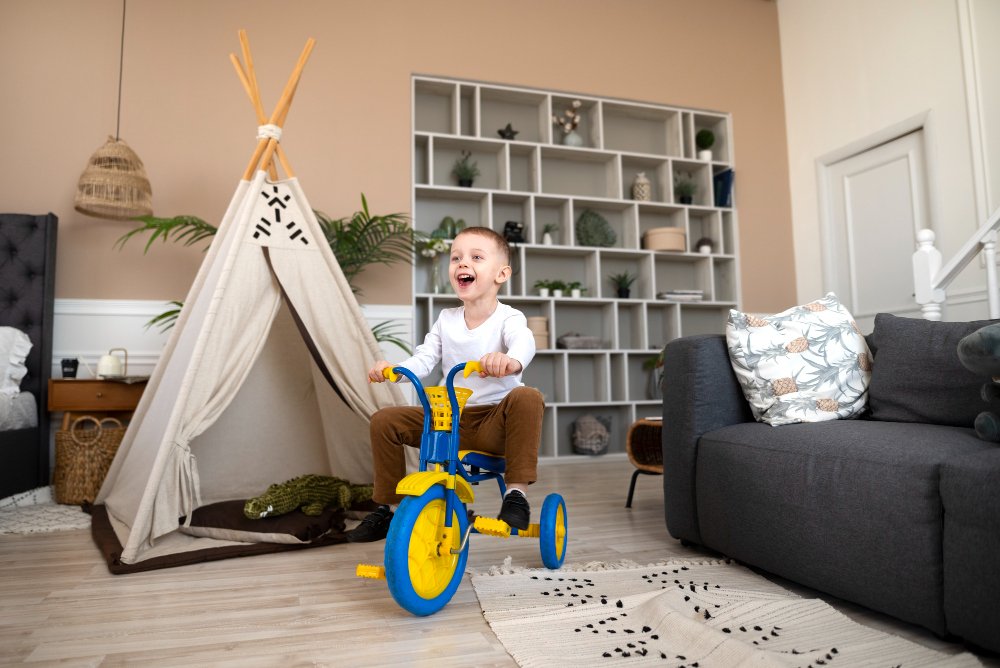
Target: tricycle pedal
[(492, 527), (533, 531), (370, 571)]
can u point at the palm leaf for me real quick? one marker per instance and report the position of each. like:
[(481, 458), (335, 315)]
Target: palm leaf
[(168, 318), (188, 230), (362, 239), (388, 331)]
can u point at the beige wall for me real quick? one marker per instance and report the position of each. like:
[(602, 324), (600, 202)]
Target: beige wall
[(185, 114), (853, 68)]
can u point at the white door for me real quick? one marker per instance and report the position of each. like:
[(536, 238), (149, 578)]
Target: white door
[(876, 203)]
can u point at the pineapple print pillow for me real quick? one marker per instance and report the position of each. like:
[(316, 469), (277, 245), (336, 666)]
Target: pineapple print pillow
[(807, 364)]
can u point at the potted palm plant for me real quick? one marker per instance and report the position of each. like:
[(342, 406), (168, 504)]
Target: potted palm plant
[(622, 283), (465, 170)]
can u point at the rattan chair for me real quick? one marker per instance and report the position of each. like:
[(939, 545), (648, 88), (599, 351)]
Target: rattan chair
[(645, 451)]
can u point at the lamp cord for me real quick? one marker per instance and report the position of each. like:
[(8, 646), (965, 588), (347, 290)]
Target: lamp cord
[(121, 67)]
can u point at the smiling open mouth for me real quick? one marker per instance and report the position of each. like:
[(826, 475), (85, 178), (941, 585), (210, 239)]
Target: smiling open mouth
[(465, 279)]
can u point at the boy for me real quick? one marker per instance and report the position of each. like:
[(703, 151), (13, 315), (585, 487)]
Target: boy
[(502, 417)]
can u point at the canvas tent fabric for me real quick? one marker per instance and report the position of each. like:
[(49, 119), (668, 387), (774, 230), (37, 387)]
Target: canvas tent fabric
[(264, 377)]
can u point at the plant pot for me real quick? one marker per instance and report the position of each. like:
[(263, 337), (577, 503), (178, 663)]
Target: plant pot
[(705, 155), (465, 183), (623, 293), (547, 239), (543, 292), (575, 293), (557, 293), (686, 199)]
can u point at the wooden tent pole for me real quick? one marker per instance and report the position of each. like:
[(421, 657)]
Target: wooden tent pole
[(281, 110), (266, 148)]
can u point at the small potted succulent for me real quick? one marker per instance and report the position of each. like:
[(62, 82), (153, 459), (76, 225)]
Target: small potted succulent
[(576, 289), (543, 286), (465, 170), (558, 288), (622, 283), (704, 140)]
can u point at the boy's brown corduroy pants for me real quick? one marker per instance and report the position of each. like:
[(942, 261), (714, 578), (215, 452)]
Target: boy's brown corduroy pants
[(512, 428)]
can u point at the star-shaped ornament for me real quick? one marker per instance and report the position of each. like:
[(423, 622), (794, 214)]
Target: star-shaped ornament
[(507, 132)]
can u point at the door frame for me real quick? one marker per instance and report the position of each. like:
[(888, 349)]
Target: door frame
[(824, 185)]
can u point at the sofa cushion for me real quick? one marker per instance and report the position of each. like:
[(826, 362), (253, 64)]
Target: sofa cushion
[(807, 364), (850, 507), (971, 498), (917, 376)]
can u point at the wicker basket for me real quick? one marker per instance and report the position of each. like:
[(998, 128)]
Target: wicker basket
[(83, 457), (590, 435)]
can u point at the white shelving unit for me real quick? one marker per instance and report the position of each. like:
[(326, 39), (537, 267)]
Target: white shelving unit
[(535, 180)]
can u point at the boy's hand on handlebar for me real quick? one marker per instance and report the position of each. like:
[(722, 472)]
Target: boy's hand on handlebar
[(377, 373), (498, 365)]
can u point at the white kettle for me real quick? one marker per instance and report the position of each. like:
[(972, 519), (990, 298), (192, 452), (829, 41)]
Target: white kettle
[(110, 366)]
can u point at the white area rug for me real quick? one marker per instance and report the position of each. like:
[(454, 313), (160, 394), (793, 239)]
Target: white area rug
[(679, 613), (36, 511)]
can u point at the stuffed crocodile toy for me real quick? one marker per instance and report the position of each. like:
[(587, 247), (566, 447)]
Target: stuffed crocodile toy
[(312, 493)]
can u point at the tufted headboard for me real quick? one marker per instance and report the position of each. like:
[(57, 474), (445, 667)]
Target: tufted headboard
[(27, 297)]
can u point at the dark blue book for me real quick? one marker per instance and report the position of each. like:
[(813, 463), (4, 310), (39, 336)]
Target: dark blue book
[(722, 183)]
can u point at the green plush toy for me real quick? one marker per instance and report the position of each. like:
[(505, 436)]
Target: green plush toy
[(312, 493)]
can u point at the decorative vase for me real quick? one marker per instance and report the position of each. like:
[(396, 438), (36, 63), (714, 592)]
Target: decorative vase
[(642, 189), (547, 239), (572, 138), (436, 286)]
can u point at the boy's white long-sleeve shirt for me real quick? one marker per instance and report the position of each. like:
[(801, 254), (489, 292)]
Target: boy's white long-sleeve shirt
[(451, 342)]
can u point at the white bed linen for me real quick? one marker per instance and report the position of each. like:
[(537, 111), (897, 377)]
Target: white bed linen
[(19, 411)]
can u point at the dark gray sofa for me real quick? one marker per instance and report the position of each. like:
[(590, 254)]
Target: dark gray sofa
[(900, 516)]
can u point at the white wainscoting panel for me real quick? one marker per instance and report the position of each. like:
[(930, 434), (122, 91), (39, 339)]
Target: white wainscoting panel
[(88, 328)]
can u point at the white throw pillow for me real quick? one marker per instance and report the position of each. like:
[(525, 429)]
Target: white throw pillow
[(14, 348), (807, 364)]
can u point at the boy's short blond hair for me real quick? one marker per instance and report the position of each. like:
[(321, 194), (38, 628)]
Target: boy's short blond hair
[(497, 239)]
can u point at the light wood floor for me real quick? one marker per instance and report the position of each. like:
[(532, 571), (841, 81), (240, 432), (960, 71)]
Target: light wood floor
[(59, 604)]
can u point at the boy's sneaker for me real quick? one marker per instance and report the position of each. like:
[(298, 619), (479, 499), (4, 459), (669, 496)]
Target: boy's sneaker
[(515, 510), (372, 528)]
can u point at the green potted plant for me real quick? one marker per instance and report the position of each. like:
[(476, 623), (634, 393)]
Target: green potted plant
[(575, 288), (543, 286), (548, 229), (558, 287), (622, 283), (704, 140), (684, 189), (465, 170)]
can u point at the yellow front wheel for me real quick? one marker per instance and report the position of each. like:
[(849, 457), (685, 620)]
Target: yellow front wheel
[(420, 568)]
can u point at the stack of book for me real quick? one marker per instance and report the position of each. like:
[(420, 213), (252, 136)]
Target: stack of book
[(682, 295)]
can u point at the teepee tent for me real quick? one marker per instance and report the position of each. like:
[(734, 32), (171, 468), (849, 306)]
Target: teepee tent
[(264, 377)]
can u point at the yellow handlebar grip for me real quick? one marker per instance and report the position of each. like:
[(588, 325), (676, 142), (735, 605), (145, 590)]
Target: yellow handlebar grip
[(389, 374), (470, 367)]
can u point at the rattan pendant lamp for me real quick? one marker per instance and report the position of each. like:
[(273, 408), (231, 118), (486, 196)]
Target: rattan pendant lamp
[(114, 183)]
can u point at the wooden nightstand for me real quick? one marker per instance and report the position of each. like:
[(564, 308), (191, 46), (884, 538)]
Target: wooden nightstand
[(91, 396)]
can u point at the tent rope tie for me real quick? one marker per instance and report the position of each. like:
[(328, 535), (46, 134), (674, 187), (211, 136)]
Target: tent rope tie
[(269, 131)]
